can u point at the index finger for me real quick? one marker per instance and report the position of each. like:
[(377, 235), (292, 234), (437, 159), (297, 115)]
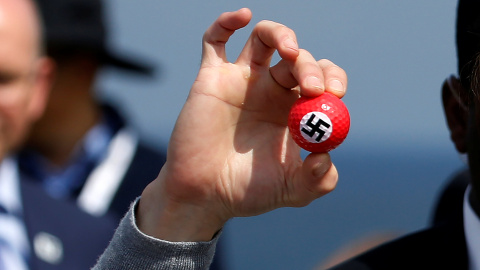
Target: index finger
[(219, 32)]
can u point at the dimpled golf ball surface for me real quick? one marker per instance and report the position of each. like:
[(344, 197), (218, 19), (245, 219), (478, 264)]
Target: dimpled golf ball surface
[(319, 124)]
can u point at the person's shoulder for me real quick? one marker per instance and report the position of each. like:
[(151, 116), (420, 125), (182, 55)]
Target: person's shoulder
[(146, 162), (146, 150), (439, 247), (449, 204), (144, 167)]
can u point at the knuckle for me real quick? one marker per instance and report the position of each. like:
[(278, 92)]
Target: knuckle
[(334, 70), (325, 62), (277, 28)]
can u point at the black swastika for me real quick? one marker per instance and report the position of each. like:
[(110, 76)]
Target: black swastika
[(315, 128)]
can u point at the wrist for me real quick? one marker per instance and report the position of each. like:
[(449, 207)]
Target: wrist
[(163, 218)]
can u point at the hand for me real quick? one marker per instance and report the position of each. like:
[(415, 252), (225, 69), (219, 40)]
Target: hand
[(230, 153)]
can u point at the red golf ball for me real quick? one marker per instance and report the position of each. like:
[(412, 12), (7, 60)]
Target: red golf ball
[(319, 124)]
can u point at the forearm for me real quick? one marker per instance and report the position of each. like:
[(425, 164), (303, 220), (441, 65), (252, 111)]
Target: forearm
[(132, 249)]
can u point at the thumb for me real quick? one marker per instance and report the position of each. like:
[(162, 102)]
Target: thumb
[(316, 178)]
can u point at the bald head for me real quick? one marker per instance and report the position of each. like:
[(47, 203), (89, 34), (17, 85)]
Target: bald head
[(21, 16), (24, 73)]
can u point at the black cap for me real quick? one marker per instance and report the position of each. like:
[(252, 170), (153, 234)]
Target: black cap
[(468, 38), (79, 26)]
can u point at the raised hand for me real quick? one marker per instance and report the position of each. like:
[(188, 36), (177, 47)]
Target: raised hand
[(230, 153)]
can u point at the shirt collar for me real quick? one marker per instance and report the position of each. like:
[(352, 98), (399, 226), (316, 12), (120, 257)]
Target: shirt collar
[(64, 181), (472, 232), (9, 186)]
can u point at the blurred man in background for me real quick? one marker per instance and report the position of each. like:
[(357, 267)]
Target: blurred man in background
[(82, 164), (79, 138)]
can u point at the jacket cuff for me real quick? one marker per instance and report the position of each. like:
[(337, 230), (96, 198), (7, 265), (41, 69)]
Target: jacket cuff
[(132, 249)]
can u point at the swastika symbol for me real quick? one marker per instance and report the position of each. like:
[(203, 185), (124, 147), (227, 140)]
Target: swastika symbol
[(316, 127)]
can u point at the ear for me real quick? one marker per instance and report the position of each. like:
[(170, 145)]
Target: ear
[(456, 112), (44, 76)]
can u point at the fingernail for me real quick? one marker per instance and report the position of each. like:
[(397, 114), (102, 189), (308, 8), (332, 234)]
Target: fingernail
[(290, 43), (321, 168), (336, 85), (314, 82)]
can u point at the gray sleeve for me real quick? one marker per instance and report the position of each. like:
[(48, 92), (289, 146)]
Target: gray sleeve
[(132, 249)]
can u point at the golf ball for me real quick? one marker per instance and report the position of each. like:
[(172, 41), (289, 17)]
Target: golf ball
[(319, 124)]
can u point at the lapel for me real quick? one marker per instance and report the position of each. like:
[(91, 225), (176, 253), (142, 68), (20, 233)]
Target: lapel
[(103, 182)]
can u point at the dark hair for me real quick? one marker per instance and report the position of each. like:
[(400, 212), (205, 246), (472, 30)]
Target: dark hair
[(474, 77), (468, 41)]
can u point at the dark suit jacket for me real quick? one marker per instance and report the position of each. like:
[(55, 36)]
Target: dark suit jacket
[(442, 246), (91, 236), (82, 237)]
